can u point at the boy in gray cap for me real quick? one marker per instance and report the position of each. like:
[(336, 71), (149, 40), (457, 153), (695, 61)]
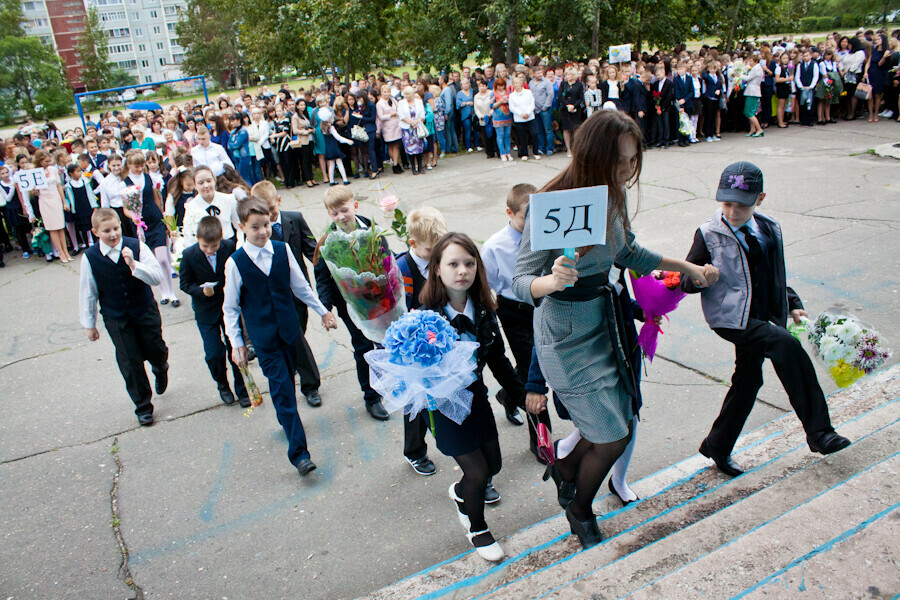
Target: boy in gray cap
[(749, 306)]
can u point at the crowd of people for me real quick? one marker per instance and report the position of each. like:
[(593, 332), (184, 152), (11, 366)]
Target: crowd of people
[(205, 176)]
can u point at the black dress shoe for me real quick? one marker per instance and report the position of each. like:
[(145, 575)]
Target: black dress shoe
[(164, 301), (226, 395), (304, 466), (176, 303), (587, 531), (314, 399), (613, 489), (491, 495), (827, 442), (145, 420), (377, 411), (725, 463), (244, 401), (162, 379)]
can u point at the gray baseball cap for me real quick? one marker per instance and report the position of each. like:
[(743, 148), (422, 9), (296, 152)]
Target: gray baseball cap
[(741, 182)]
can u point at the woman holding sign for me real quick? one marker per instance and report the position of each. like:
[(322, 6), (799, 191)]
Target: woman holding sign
[(576, 327), (50, 199)]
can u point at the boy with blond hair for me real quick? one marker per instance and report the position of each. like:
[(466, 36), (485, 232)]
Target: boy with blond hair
[(426, 226)]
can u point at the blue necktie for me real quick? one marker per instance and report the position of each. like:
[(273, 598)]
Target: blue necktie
[(277, 232), (212, 261)]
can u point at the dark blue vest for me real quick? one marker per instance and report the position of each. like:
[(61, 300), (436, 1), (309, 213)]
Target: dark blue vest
[(267, 303), (806, 73), (122, 295), (150, 212)]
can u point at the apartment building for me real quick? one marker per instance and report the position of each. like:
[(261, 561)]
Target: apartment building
[(141, 34)]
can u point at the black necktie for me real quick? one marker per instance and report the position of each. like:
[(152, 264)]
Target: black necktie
[(213, 211), (754, 249), (463, 324), (277, 232)]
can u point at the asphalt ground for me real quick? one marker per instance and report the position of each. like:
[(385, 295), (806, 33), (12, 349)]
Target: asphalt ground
[(205, 504)]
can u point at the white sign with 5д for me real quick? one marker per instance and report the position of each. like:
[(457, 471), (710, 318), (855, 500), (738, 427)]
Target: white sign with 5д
[(568, 218), (30, 179)]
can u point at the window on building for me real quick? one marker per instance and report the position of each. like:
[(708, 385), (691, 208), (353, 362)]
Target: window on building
[(30, 6), (120, 32), (128, 64), (36, 23), (145, 63), (46, 39), (107, 2), (154, 14), (139, 32), (178, 58), (116, 15), (157, 30), (162, 62), (160, 46), (170, 27), (148, 79), (171, 11), (135, 16), (119, 48), (142, 48)]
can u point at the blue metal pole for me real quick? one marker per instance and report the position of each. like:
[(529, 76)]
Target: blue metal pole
[(80, 112), (205, 93)]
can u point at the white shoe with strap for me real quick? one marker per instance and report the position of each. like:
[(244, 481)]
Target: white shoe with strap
[(492, 552), (463, 517)]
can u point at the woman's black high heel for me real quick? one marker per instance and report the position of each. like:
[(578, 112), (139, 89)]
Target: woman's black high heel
[(587, 531), (565, 491)]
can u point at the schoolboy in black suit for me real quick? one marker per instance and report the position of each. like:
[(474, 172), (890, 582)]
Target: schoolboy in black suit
[(663, 92), (203, 264), (291, 228)]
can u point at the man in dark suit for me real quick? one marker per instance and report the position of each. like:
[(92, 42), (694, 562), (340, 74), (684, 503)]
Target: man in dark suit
[(202, 275), (291, 228)]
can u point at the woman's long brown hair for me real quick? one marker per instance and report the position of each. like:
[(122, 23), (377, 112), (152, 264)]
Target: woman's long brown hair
[(434, 293), (595, 160)]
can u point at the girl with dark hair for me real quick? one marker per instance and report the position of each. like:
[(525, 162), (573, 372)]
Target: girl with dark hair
[(576, 328), (457, 288), (876, 73), (366, 116)]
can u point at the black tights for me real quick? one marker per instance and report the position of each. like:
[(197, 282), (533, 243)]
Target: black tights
[(478, 467), (588, 465)]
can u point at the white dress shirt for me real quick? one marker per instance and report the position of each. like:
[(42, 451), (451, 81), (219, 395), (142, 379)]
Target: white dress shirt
[(468, 311), (262, 258), (499, 255), (196, 209), (421, 263), (111, 192), (146, 268), (521, 105), (213, 156)]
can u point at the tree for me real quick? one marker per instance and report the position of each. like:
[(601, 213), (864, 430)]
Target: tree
[(32, 75), (735, 20), (93, 53), (208, 30), (315, 35)]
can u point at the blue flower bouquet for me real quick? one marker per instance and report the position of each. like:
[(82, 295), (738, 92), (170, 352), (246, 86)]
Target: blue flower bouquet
[(424, 366)]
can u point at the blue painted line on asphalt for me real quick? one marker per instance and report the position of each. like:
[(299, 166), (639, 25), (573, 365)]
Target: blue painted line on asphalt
[(758, 527), (819, 550), (362, 446), (329, 355), (206, 513)]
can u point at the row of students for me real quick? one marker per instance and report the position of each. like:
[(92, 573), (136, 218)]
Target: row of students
[(577, 349)]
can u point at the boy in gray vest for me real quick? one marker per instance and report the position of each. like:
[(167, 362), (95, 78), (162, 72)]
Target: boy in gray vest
[(117, 273), (749, 306)]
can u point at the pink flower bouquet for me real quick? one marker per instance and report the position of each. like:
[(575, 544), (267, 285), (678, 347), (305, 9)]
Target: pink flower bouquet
[(657, 295)]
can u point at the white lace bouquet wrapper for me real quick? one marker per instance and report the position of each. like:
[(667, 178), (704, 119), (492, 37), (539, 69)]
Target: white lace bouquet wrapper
[(413, 388), (424, 366), (368, 278)]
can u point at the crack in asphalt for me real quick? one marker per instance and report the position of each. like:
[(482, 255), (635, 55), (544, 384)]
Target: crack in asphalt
[(124, 569)]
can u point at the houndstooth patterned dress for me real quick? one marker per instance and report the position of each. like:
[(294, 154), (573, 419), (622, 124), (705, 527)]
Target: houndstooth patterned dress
[(572, 338)]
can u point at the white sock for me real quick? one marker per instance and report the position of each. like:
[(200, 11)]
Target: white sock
[(340, 166), (330, 170), (621, 466), (567, 444)]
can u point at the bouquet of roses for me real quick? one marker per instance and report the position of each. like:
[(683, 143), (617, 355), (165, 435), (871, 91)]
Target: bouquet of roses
[(368, 277), (735, 81), (657, 295), (133, 202), (657, 98), (424, 366), (849, 348)]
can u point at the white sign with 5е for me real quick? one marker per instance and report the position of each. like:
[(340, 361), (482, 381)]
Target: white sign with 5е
[(30, 179)]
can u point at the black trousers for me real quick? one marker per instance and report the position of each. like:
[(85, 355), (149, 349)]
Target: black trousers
[(289, 165), (765, 104), (310, 380), (306, 162), (277, 365), (794, 368), (525, 132), (661, 127), (216, 352), (710, 109), (414, 446), (517, 319), (808, 115), (137, 340), (361, 344)]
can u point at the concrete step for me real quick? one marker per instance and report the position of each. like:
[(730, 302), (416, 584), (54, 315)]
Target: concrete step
[(697, 507)]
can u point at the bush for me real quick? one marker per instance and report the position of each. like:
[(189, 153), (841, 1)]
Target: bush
[(851, 21), (166, 91), (808, 24), (825, 24)]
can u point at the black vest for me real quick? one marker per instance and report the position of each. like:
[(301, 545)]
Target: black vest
[(415, 278), (267, 301), (806, 73), (150, 212), (122, 295)]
